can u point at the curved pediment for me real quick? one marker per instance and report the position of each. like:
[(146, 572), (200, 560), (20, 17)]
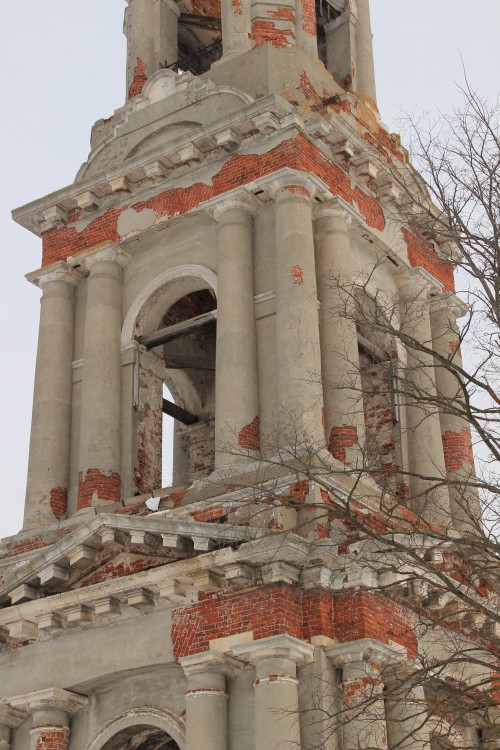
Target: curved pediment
[(170, 106)]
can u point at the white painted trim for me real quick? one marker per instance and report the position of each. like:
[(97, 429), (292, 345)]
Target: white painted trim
[(178, 272)]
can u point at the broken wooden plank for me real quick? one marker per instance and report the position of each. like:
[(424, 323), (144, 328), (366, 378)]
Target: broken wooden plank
[(178, 413), (178, 329)]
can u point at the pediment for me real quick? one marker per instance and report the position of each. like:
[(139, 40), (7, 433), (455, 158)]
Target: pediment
[(112, 546), (171, 105)]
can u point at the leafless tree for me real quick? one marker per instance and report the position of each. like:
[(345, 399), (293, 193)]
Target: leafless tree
[(391, 523)]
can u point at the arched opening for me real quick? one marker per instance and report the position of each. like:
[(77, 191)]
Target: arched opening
[(189, 358), (176, 392), (141, 737)]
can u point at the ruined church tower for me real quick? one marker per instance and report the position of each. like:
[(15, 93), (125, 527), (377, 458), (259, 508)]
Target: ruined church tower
[(224, 212)]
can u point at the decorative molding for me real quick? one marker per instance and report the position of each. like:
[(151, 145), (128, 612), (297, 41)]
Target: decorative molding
[(275, 647), (59, 271), (107, 251), (240, 197), (50, 698), (365, 650)]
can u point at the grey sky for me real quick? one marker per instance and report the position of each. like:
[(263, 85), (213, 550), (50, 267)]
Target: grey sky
[(63, 67)]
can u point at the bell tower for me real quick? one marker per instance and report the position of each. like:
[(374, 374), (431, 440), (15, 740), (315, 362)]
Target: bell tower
[(234, 219)]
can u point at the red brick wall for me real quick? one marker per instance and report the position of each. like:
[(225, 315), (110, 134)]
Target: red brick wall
[(281, 608), (457, 449), (297, 153), (421, 253), (52, 738), (105, 487)]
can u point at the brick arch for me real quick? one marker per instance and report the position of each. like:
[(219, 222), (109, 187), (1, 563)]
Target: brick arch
[(146, 724)]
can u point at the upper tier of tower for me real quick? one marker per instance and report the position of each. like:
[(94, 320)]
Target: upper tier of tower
[(257, 46)]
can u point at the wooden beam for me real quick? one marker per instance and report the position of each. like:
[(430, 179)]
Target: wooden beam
[(178, 413), (180, 362), (179, 329), (211, 23)]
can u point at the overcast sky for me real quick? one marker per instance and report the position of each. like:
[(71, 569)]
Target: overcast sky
[(63, 67)]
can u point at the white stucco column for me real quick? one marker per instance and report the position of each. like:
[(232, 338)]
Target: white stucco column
[(237, 426), (408, 727), (99, 475), (48, 467), (151, 28), (276, 659), (236, 27), (364, 52), (455, 430), (206, 699), (297, 323), (426, 465), (51, 711), (336, 270), (363, 712)]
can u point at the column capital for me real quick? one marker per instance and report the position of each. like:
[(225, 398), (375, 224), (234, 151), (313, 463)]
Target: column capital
[(60, 271), (417, 282), (365, 650), (449, 303), (49, 699), (240, 198), (285, 179), (337, 208), (275, 647), (210, 662), (107, 251)]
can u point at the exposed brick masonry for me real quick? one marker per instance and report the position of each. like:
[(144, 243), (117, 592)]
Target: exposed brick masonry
[(249, 436), (52, 738), (342, 437), (59, 502), (140, 79), (457, 449), (97, 485), (297, 153), (421, 253), (309, 17), (281, 608)]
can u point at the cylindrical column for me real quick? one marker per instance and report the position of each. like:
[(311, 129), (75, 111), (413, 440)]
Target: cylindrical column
[(455, 430), (50, 730), (297, 324), (99, 475), (237, 427), (277, 725), (48, 467), (364, 52), (406, 710), (151, 28), (206, 699), (236, 27), (336, 270), (426, 465)]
